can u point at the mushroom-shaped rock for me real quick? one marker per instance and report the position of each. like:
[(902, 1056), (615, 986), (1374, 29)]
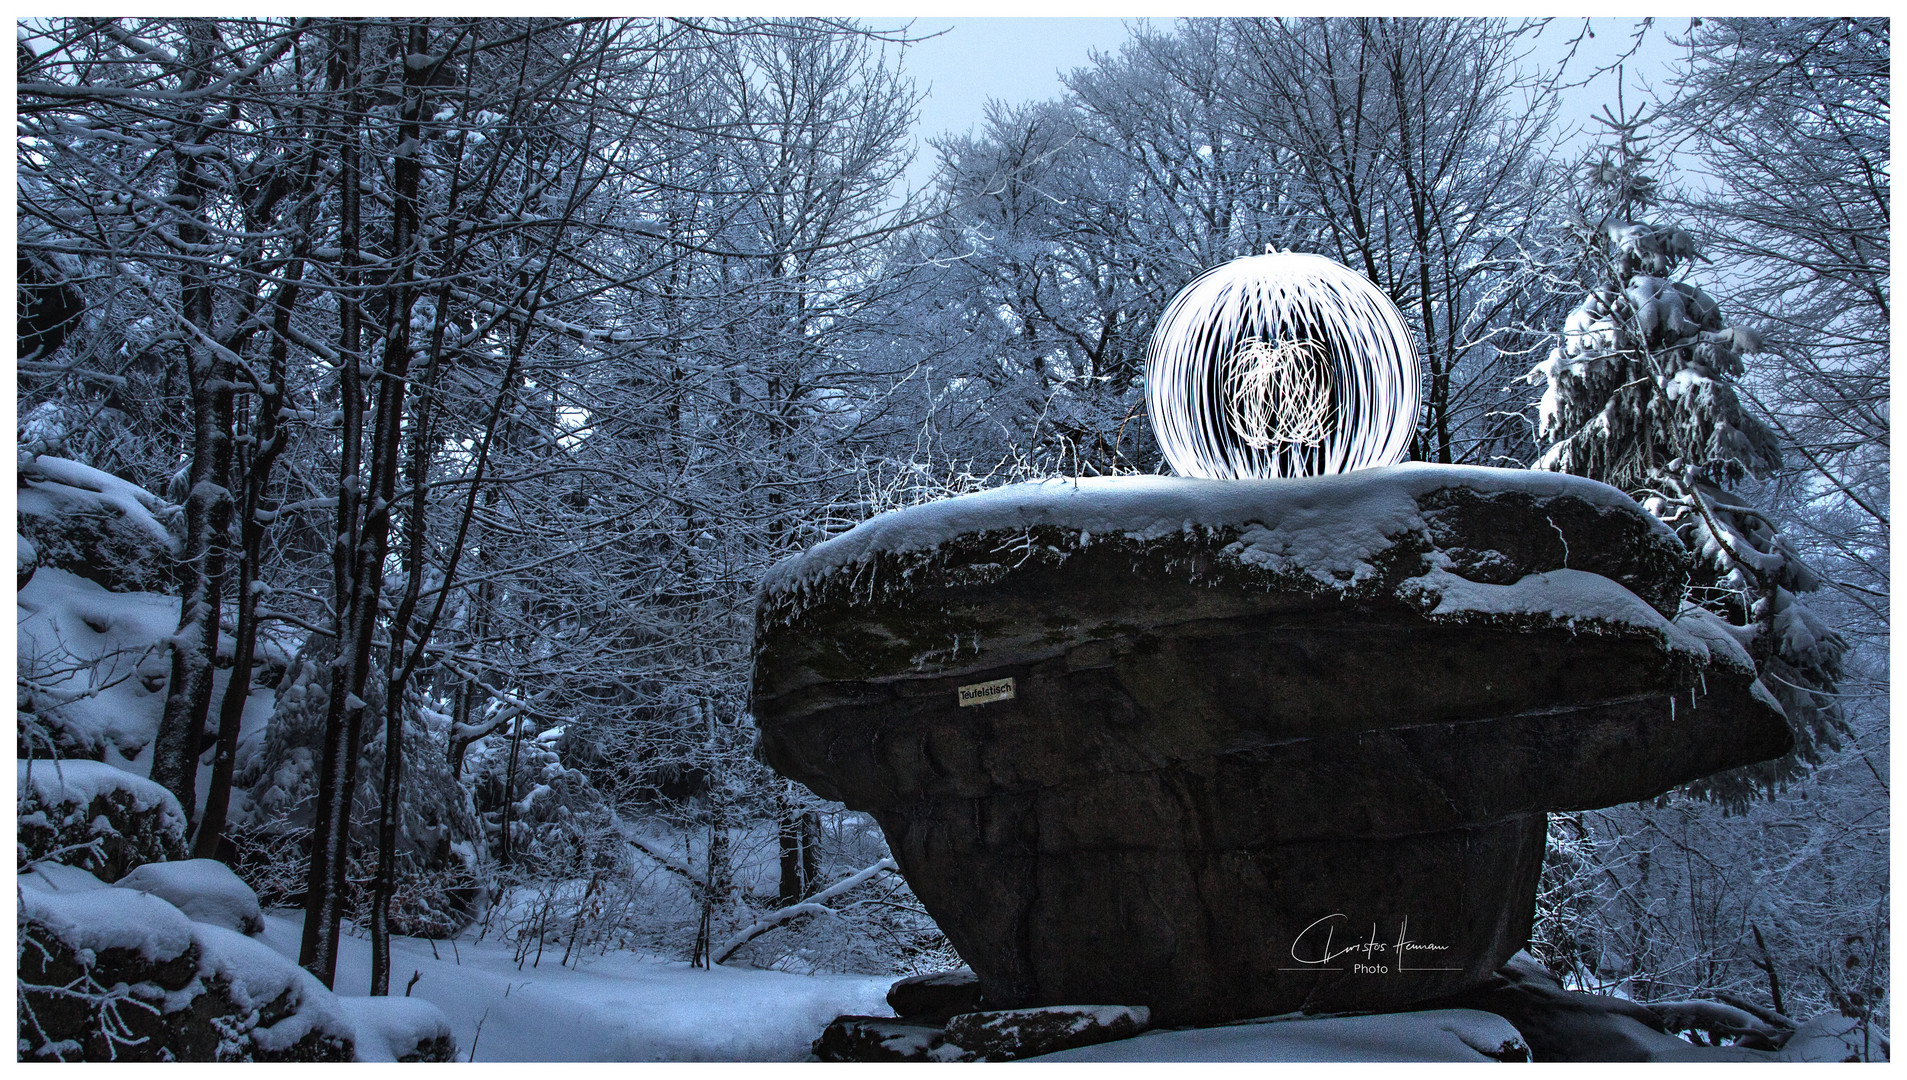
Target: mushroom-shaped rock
[(1236, 748)]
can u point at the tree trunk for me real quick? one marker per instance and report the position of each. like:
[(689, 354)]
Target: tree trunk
[(338, 762), (268, 440), (397, 347), (208, 504)]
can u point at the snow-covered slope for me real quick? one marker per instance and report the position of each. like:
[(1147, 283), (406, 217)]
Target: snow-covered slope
[(618, 1007)]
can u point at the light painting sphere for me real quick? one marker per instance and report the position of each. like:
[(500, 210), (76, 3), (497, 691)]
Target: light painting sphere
[(1285, 364)]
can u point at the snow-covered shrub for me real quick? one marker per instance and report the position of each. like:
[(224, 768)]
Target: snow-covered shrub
[(1640, 392), (96, 525), (518, 778), (119, 975), (439, 874), (94, 816)]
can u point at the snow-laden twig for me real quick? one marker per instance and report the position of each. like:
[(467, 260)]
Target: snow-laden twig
[(813, 905)]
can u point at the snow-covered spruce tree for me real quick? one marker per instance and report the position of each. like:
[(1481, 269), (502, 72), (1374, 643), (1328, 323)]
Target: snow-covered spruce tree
[(1641, 396)]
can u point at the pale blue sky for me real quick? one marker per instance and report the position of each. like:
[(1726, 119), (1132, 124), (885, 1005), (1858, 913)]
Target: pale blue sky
[(1022, 59)]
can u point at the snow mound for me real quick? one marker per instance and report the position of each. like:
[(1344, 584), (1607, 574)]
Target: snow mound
[(94, 663), (1435, 1035), (206, 890), (396, 1028), (94, 666), (1723, 641), (1833, 1037), (1328, 526), (55, 877), (615, 1007)]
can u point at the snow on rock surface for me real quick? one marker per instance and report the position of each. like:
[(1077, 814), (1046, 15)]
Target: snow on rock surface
[(1437, 1035), (79, 783), (54, 485), (398, 1029), (94, 816), (258, 976), (206, 890), (120, 974), (1723, 641), (1326, 526), (96, 525), (1574, 598), (1014, 1033), (92, 921), (96, 662), (58, 878)]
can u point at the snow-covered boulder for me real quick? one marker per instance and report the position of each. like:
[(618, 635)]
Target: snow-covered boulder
[(1008, 1034), (884, 1038), (399, 1029), (119, 975), (94, 524), (124, 974), (206, 890), (94, 816), (1002, 1035), (1186, 743)]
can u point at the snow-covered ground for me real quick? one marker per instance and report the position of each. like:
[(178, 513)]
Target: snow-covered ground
[(1439, 1035), (618, 1007)]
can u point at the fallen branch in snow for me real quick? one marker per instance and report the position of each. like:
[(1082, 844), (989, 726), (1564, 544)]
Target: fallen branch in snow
[(668, 862), (813, 905)]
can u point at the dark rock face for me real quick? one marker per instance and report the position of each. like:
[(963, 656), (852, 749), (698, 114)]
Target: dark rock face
[(936, 997), (1271, 745), (883, 1038)]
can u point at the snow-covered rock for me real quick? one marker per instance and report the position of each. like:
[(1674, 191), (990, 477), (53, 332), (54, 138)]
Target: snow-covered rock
[(93, 667), (854, 1038), (1179, 743), (119, 975), (122, 973), (399, 1029), (96, 525), (206, 890), (1330, 528), (1008, 1034), (91, 815)]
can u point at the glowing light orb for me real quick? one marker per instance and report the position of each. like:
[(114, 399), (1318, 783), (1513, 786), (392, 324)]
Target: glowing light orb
[(1282, 365)]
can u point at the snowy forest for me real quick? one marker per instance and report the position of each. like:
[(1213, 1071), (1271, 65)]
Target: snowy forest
[(409, 410)]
